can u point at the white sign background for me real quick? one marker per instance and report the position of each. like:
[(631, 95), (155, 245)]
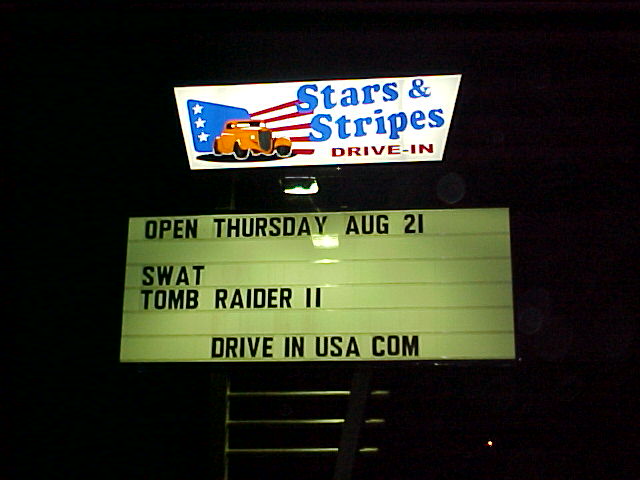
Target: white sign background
[(413, 145)]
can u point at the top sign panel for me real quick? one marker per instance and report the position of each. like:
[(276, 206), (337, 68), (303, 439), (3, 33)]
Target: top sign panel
[(328, 122)]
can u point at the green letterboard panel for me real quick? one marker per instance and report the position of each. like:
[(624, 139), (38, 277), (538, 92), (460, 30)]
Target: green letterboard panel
[(368, 286)]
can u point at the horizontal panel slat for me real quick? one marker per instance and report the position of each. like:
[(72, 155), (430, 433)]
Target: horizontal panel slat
[(472, 319), (335, 297), (435, 222), (302, 248), (331, 272), (461, 346)]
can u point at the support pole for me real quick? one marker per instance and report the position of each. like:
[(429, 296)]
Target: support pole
[(353, 423), (219, 418)]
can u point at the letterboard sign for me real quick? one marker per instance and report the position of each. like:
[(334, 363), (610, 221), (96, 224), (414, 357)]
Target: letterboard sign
[(348, 286)]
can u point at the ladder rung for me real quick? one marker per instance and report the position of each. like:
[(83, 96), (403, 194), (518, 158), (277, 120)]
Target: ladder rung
[(304, 393), (295, 450), (309, 421)]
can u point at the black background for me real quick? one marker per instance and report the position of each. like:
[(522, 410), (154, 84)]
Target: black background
[(545, 124)]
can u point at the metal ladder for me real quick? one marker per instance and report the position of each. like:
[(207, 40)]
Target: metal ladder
[(262, 435)]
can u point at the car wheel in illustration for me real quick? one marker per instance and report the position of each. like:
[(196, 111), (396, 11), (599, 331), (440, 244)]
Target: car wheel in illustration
[(283, 151), (239, 152)]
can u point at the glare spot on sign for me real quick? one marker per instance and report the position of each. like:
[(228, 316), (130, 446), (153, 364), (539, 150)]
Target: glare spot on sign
[(325, 241), (327, 260)]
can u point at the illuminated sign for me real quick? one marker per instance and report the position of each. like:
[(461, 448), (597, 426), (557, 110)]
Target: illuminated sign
[(384, 285), (326, 122)]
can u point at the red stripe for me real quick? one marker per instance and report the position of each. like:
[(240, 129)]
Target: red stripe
[(277, 107), (292, 127), (302, 151), (300, 139), (288, 115)]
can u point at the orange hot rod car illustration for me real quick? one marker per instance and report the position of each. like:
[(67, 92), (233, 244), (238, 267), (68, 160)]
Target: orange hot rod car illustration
[(249, 137)]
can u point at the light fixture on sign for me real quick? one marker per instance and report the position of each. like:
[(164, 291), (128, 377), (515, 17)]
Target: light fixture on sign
[(451, 188), (325, 241), (299, 185)]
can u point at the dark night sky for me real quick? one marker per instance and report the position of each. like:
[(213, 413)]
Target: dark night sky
[(545, 124)]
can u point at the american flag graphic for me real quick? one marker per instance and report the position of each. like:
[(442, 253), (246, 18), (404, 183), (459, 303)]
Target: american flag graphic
[(207, 122)]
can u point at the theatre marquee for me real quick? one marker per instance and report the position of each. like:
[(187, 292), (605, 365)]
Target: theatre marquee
[(325, 122), (320, 286)]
